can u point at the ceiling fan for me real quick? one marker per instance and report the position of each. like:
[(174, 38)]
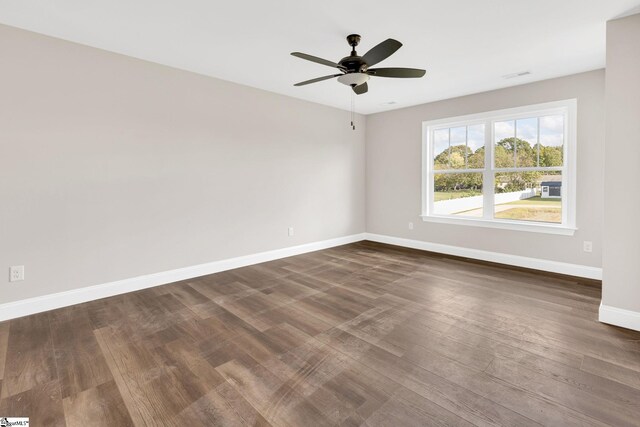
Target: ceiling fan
[(354, 69)]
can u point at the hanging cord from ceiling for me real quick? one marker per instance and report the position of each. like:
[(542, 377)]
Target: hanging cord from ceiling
[(353, 110)]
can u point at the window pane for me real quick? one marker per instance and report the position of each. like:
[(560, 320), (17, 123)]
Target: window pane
[(504, 133), (458, 194), (458, 148), (475, 147), (528, 196), (441, 149), (551, 140), (525, 142)]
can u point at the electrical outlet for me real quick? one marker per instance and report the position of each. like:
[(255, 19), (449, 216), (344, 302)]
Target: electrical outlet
[(16, 273), (410, 226), (587, 246), (290, 231)]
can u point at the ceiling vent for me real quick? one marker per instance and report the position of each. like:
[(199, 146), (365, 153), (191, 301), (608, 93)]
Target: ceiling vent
[(514, 75)]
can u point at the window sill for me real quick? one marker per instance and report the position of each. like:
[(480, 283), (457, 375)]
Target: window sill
[(505, 225)]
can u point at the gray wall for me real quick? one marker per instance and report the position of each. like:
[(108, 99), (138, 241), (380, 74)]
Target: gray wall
[(394, 172), (621, 257), (112, 167)]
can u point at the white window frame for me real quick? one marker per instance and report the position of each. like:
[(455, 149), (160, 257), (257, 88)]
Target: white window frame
[(567, 108)]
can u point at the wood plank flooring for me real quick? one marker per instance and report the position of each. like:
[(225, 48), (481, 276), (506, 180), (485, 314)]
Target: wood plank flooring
[(363, 334)]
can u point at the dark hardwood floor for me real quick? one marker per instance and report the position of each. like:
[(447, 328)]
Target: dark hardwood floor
[(363, 334)]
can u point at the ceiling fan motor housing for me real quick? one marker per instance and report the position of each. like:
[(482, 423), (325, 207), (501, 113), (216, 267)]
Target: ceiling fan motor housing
[(353, 64)]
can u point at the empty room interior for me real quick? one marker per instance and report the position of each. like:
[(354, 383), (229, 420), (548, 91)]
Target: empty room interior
[(302, 213)]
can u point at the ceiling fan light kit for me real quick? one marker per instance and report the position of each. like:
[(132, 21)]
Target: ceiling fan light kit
[(353, 79)]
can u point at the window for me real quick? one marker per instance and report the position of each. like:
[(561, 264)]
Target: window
[(510, 169)]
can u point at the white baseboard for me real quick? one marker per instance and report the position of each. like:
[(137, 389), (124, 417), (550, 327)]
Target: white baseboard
[(39, 304), (619, 317), (501, 258)]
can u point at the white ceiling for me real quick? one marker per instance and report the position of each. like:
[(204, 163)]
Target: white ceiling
[(465, 45)]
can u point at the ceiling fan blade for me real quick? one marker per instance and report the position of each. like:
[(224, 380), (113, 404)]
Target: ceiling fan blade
[(360, 89), (319, 79), (315, 59), (396, 72), (381, 52)]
